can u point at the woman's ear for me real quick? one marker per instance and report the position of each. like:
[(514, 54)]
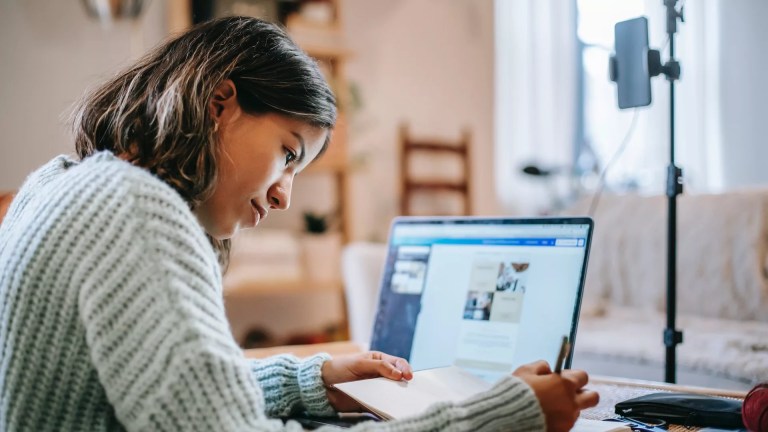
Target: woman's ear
[(223, 104)]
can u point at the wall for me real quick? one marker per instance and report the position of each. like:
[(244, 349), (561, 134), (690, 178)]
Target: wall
[(50, 53), (427, 62)]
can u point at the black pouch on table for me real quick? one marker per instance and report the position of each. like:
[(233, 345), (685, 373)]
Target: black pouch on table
[(685, 409), (309, 422)]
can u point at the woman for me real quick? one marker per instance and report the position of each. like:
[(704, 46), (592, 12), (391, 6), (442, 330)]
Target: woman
[(110, 265)]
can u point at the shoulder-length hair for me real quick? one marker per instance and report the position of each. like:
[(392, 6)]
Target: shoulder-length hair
[(156, 113)]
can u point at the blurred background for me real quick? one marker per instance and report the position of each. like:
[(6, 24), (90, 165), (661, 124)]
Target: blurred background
[(476, 107)]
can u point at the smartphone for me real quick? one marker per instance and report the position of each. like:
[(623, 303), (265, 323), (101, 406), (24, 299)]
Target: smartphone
[(630, 63)]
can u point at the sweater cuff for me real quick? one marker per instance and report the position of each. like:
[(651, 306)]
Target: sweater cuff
[(510, 402), (313, 391), (509, 405), (290, 385)]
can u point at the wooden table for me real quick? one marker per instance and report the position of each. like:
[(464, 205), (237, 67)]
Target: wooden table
[(611, 389), (332, 348)]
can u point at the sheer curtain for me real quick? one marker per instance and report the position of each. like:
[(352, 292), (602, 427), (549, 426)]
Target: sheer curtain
[(538, 101), (698, 134), (699, 97), (536, 84)]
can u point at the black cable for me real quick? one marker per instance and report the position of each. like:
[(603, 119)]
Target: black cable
[(614, 158)]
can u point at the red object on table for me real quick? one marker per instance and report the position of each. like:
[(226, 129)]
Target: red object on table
[(754, 412)]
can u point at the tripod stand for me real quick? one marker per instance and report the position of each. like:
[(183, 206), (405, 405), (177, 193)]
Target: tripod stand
[(635, 91), (672, 336)]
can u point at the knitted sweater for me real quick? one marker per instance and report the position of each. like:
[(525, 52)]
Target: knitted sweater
[(112, 318)]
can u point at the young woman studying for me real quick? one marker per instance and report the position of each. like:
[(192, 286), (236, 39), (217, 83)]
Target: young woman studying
[(111, 311)]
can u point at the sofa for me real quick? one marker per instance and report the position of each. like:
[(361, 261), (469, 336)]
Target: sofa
[(722, 289)]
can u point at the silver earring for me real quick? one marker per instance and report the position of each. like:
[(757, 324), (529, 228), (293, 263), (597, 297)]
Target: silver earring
[(215, 127)]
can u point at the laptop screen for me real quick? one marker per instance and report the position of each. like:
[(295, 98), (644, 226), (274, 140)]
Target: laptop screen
[(485, 294)]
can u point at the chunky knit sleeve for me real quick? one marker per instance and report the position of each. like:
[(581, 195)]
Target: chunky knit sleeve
[(151, 308), (290, 385), (510, 405), (150, 303)]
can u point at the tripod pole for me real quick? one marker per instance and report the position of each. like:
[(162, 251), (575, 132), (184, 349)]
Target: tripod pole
[(672, 337)]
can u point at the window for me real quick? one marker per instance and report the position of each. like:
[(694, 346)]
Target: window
[(601, 127), (556, 108)]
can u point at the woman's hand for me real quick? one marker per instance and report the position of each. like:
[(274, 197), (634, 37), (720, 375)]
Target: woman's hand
[(561, 396), (371, 364)]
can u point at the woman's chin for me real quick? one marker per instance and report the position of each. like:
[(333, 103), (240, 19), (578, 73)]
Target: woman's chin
[(224, 233)]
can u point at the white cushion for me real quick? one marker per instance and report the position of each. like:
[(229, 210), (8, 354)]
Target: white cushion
[(362, 265)]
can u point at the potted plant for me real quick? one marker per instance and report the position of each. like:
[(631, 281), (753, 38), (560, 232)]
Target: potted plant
[(322, 248)]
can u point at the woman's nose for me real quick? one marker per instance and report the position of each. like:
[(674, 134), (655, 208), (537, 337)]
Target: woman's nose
[(280, 195)]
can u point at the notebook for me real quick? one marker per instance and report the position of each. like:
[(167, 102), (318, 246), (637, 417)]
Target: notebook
[(390, 399), (484, 294)]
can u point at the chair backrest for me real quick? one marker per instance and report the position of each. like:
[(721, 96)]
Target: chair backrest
[(433, 178), (362, 265)]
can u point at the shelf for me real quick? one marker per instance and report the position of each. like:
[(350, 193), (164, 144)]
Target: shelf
[(323, 52), (323, 38), (335, 157), (278, 287), (326, 43), (328, 166), (322, 41), (297, 22)]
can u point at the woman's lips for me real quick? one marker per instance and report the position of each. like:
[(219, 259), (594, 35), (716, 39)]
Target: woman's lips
[(260, 213)]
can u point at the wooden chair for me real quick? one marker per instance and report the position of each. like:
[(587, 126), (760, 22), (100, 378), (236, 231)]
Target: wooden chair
[(411, 186)]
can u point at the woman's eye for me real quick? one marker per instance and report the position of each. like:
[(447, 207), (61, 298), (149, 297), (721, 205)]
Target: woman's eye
[(290, 156)]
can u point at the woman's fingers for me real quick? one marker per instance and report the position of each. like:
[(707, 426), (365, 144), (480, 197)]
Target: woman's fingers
[(403, 366), (540, 367), (368, 368), (584, 398), (399, 364), (587, 399), (376, 368), (389, 370), (578, 377)]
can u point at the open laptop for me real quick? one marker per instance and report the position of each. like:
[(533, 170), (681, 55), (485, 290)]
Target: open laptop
[(486, 294)]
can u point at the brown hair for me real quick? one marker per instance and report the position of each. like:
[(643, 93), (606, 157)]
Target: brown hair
[(156, 114)]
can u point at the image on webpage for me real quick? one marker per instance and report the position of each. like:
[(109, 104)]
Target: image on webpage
[(496, 290), (492, 312), (410, 270)]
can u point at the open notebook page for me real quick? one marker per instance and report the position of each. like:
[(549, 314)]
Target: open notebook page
[(398, 399)]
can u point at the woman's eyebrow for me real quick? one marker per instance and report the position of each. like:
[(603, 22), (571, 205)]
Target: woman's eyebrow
[(303, 152)]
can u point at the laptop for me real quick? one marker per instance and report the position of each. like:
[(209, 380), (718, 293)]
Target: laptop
[(486, 294)]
